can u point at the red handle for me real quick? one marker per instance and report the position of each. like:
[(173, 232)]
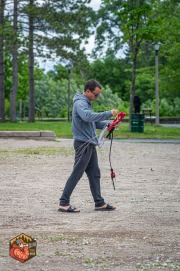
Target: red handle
[(117, 120)]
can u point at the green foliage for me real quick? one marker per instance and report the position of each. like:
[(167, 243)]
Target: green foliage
[(124, 107), (51, 98), (107, 100), (110, 71), (127, 22), (137, 24), (132, 25), (170, 49), (166, 107), (67, 24), (176, 104), (58, 29), (58, 73), (7, 106), (145, 83), (169, 72)]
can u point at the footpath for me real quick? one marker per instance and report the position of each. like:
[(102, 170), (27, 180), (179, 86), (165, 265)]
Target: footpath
[(141, 140)]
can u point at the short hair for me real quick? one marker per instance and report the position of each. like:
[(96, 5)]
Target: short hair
[(91, 85)]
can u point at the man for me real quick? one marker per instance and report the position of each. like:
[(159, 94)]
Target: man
[(84, 125)]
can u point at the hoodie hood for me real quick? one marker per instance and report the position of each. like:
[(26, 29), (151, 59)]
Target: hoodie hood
[(81, 97)]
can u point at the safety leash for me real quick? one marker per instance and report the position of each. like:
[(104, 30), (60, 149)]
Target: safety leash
[(111, 128), (113, 175)]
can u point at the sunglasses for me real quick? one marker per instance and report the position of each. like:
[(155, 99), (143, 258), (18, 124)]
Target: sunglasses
[(96, 94)]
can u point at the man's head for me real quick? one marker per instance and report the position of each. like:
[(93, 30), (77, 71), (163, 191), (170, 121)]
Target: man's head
[(92, 89)]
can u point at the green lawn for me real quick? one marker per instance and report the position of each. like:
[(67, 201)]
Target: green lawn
[(63, 129)]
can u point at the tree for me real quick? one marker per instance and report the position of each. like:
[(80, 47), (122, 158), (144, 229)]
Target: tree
[(51, 28), (14, 49), (127, 23), (169, 51), (51, 96), (31, 63), (2, 91), (111, 71)]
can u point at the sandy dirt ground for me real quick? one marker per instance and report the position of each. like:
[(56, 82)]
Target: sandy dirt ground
[(142, 234)]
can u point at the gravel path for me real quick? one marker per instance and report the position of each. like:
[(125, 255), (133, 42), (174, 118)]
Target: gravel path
[(142, 234)]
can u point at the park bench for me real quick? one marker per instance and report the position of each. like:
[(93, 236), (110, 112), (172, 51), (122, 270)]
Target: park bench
[(147, 112)]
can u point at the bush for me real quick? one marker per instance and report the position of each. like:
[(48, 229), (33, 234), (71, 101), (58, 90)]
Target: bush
[(7, 106), (124, 108), (166, 107), (177, 106), (107, 101)]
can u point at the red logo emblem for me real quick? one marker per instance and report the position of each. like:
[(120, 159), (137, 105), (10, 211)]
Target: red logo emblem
[(22, 248)]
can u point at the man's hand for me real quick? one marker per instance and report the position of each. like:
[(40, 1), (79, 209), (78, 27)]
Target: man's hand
[(114, 112)]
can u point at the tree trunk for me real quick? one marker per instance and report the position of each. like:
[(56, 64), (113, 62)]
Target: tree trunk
[(134, 46), (132, 88), (2, 90), (31, 65), (14, 66)]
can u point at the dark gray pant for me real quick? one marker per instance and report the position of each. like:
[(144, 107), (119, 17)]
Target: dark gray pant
[(85, 161)]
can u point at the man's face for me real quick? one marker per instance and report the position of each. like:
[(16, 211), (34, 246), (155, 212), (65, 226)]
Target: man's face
[(93, 95)]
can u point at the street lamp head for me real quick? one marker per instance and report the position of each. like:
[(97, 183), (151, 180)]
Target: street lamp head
[(69, 67), (157, 46)]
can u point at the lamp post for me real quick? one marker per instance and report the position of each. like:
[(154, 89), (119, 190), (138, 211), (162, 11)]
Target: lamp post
[(69, 68), (156, 47)]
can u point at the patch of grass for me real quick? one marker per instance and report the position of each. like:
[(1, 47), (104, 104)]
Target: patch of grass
[(56, 238), (60, 253), (88, 260), (63, 129), (160, 264), (150, 132), (3, 255), (41, 151), (97, 263)]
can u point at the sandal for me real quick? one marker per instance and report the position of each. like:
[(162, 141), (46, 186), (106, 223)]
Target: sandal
[(107, 208), (71, 209)]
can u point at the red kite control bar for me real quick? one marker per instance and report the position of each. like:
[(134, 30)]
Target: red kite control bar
[(115, 122)]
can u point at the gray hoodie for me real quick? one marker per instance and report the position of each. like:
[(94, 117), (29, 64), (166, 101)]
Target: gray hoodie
[(85, 121)]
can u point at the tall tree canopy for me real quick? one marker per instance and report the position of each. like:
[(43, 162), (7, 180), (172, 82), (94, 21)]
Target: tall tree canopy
[(133, 24), (43, 28), (127, 22)]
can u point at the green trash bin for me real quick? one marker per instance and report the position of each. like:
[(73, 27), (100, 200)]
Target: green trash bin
[(137, 123)]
